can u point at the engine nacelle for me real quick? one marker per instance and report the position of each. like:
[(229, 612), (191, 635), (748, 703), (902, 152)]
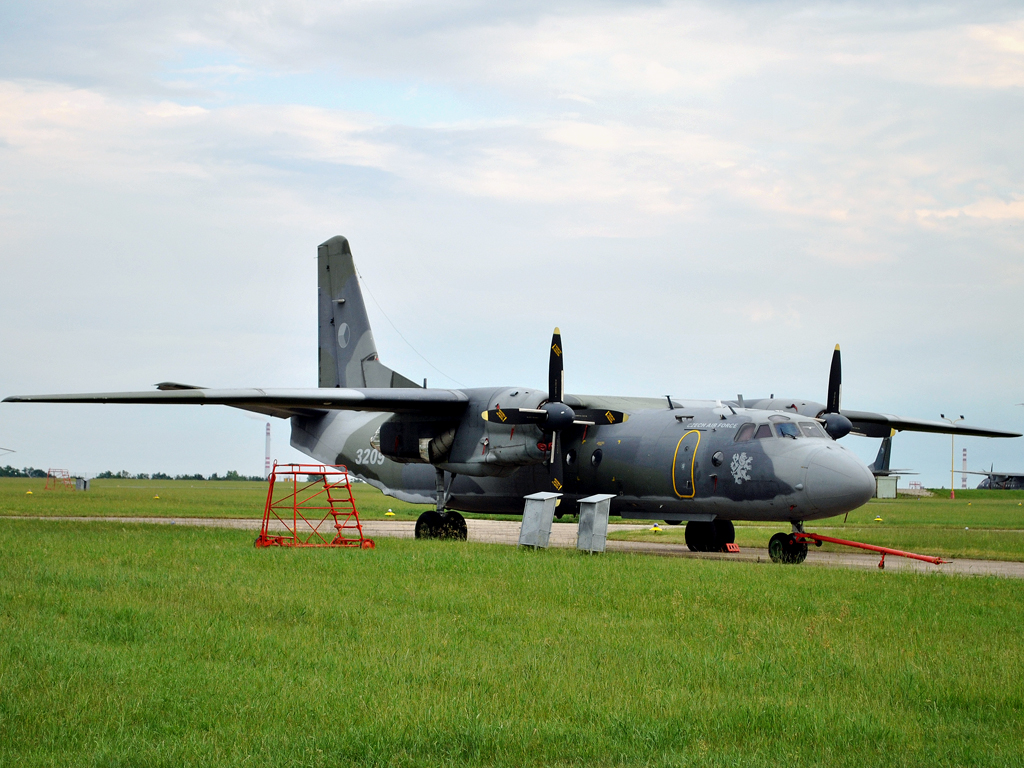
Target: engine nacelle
[(411, 441)]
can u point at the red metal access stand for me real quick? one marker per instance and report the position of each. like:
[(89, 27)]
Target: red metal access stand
[(58, 478), (816, 539), (314, 504)]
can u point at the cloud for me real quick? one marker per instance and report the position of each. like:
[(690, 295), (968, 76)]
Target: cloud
[(989, 209), (720, 188)]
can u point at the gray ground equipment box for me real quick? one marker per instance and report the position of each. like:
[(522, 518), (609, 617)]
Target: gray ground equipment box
[(537, 518), (81, 484), (593, 530), (885, 487)]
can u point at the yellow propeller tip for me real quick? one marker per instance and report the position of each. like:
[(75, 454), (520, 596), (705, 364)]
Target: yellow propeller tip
[(837, 347), (558, 331)]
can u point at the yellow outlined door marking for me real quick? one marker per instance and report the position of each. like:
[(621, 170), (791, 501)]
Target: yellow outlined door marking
[(693, 455)]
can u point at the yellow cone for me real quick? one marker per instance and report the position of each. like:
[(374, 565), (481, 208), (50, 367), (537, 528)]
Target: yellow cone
[(28, 493), (156, 497)]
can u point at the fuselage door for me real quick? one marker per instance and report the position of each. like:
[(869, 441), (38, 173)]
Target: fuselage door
[(683, 465)]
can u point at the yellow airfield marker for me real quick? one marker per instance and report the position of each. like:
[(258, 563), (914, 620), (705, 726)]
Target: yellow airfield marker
[(389, 513), (878, 519), (28, 493), (156, 497), (656, 528)]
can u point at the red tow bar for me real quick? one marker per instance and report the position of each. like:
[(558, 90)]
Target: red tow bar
[(818, 538)]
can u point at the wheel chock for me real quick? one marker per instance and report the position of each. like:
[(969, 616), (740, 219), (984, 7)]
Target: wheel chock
[(730, 547)]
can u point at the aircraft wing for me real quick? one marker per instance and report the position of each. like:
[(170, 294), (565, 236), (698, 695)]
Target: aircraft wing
[(881, 425), (282, 403)]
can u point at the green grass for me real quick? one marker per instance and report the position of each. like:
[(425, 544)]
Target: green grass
[(177, 498), (181, 498), (147, 645)]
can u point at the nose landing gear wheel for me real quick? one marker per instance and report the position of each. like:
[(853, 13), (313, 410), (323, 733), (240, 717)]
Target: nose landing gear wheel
[(783, 548)]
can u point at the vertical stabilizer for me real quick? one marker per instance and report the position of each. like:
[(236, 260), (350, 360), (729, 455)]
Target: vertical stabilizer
[(880, 466), (348, 353)]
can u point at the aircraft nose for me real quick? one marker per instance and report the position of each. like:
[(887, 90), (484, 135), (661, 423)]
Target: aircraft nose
[(837, 482)]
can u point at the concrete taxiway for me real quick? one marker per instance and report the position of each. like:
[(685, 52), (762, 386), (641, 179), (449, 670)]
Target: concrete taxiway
[(564, 535)]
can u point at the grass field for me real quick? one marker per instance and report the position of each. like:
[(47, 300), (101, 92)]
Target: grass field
[(151, 645), (177, 498)]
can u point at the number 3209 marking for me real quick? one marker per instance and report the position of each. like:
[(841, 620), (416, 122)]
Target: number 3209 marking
[(369, 456)]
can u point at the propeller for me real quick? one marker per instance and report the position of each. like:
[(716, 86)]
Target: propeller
[(836, 424), (554, 415)]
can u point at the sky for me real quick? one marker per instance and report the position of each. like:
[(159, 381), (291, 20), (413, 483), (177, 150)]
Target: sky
[(705, 197)]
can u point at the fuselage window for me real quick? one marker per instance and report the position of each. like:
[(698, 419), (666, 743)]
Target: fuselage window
[(763, 431), (787, 429), (746, 432), (811, 429)]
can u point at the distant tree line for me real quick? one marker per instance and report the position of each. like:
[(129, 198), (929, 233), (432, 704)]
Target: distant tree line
[(9, 471), (124, 475)]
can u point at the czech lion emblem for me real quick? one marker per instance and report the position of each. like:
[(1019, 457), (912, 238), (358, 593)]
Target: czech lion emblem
[(740, 467)]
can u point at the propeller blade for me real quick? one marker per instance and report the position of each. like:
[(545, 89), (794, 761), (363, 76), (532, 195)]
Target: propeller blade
[(556, 463), (513, 416), (835, 383), (556, 366), (597, 416)]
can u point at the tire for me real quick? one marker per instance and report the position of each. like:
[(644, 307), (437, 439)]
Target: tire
[(453, 527), (783, 548), (725, 533), (672, 522), (428, 525), (700, 536), (797, 550), (778, 547)]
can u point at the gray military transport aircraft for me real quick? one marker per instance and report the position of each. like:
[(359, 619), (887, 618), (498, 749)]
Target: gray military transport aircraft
[(481, 450)]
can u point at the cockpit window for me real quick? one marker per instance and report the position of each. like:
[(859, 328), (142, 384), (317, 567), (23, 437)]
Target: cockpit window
[(763, 431), (787, 429), (746, 432), (812, 429)]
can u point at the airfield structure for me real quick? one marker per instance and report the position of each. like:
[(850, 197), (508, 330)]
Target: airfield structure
[(59, 479), (314, 505)]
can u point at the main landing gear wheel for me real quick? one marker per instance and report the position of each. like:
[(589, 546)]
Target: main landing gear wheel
[(434, 525), (784, 548), (709, 537)]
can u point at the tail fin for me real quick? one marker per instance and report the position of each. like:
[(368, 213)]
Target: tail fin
[(880, 466), (348, 353)]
